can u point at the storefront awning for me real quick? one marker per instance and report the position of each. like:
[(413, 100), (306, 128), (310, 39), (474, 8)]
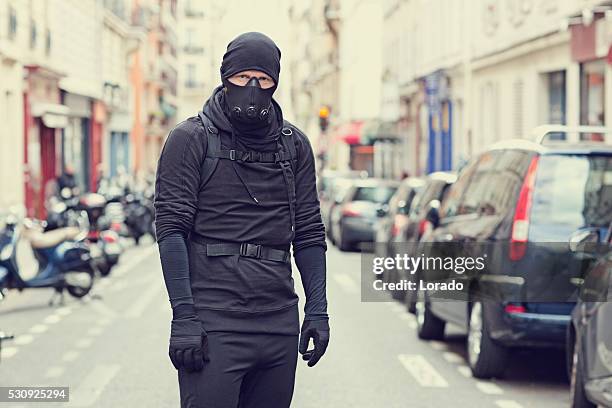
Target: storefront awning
[(350, 133), (365, 132), (53, 115)]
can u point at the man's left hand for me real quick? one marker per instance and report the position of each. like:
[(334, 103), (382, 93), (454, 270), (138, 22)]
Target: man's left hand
[(318, 330)]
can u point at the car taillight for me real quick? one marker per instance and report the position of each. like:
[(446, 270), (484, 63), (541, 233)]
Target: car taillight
[(423, 227), (515, 308), (520, 224), (350, 211), (398, 223), (110, 237)]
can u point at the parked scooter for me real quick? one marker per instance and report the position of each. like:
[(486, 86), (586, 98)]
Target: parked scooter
[(139, 215), (65, 260), (60, 211)]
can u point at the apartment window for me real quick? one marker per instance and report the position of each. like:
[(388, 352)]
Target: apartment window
[(189, 36), (12, 23), (191, 76), (556, 98), (592, 93), (48, 42), (191, 9), (33, 34)]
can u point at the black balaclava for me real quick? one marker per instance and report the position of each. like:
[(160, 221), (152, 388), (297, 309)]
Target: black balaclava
[(249, 108)]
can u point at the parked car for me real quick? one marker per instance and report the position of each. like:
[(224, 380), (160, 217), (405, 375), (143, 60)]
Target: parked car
[(355, 219), (519, 197), (410, 232), (333, 196), (395, 216), (589, 337)]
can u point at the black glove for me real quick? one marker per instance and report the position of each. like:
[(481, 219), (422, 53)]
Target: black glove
[(318, 330), (188, 344)]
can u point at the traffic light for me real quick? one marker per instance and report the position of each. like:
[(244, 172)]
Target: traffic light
[(323, 118)]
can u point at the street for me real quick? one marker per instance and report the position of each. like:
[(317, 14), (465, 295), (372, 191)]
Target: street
[(111, 349)]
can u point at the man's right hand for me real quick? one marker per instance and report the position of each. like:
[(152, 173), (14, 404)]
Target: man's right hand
[(188, 344)]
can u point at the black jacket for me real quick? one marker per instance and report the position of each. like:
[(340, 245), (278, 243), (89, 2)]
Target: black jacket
[(228, 289)]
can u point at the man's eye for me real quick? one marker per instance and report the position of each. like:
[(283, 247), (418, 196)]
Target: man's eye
[(264, 79)]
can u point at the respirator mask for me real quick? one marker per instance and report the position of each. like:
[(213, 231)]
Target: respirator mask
[(249, 104)]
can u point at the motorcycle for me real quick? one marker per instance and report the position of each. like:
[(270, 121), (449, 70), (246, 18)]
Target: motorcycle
[(139, 216), (59, 213), (65, 261)]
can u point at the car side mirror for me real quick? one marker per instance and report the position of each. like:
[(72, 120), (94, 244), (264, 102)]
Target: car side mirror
[(382, 211), (433, 213), (578, 240)]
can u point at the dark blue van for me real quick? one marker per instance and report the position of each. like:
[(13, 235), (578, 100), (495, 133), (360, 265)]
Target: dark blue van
[(520, 202)]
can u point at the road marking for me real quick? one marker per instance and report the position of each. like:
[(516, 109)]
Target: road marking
[(508, 404), (465, 371), (38, 328), (70, 355), (84, 343), (92, 386), (423, 372), (437, 345), (452, 358), (63, 311), (489, 388), (52, 319), (139, 306), (55, 371), (8, 352), (23, 339), (346, 282)]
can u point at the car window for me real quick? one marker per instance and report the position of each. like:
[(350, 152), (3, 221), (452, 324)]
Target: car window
[(573, 191), (406, 202), (495, 184), (453, 198), (431, 191), (378, 194), (399, 196)]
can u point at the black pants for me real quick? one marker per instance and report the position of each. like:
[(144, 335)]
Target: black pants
[(245, 370)]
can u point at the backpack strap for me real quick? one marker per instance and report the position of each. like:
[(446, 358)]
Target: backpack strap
[(288, 142), (209, 164), (287, 159)]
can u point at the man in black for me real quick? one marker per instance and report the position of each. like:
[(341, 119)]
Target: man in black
[(235, 188)]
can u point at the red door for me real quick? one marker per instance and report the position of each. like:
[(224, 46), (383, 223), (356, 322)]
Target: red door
[(48, 164)]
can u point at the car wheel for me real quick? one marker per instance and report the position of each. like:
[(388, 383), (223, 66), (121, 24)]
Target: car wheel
[(429, 327), (411, 298), (578, 396), (343, 245), (486, 358), (397, 294)]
